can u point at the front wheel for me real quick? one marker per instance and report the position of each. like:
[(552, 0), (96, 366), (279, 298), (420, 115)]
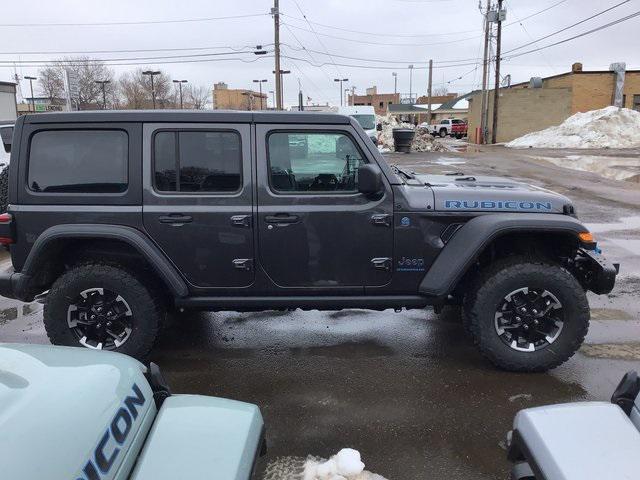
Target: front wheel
[(443, 132), (103, 307), (527, 316)]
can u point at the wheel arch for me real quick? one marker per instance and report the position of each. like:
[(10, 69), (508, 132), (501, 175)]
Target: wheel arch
[(481, 234), (61, 244)]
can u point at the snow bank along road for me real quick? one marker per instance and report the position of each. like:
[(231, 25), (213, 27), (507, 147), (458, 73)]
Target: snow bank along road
[(407, 390)]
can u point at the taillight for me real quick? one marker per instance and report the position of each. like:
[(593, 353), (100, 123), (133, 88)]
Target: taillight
[(5, 218)]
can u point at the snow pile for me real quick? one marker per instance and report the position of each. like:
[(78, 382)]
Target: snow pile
[(609, 127), (345, 465), (422, 141)]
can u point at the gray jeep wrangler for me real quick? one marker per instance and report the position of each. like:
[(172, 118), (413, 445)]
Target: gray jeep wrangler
[(116, 217)]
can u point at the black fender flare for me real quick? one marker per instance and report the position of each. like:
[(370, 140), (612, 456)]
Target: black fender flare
[(475, 235), (166, 271)]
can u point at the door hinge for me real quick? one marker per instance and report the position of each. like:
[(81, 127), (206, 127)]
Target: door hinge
[(245, 264), (241, 220), (382, 219), (383, 263)]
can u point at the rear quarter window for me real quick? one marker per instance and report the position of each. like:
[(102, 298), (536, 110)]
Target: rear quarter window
[(78, 161)]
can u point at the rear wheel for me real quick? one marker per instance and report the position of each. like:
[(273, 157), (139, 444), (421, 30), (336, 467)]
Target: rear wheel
[(103, 307), (527, 316)]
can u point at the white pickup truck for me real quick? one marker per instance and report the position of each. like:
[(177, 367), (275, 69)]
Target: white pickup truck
[(454, 127)]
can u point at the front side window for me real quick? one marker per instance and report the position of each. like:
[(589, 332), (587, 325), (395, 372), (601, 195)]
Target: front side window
[(313, 162), (197, 161), (78, 161)]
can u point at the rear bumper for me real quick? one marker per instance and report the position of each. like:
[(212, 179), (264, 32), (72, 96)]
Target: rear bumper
[(12, 285)]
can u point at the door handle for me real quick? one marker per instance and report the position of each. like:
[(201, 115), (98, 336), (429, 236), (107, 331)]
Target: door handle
[(382, 219), (244, 264), (383, 263), (281, 218), (175, 219), (241, 220)]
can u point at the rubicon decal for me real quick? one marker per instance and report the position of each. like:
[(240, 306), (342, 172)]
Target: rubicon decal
[(115, 436), (498, 205)]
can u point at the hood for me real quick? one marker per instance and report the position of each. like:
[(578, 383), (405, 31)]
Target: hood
[(492, 194), (70, 412)]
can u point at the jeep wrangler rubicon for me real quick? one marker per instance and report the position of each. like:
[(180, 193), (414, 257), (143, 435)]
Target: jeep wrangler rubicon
[(114, 218)]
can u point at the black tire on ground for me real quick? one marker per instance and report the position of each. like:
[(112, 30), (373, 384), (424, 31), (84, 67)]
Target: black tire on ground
[(483, 300), (146, 307), (458, 136), (443, 132)]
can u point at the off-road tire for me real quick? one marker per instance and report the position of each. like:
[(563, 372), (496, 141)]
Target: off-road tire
[(144, 300), (505, 276)]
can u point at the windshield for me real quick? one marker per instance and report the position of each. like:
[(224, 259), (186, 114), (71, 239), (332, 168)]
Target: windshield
[(368, 122)]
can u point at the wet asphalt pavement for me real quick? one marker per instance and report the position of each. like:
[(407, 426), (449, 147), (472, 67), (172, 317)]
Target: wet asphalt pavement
[(408, 390)]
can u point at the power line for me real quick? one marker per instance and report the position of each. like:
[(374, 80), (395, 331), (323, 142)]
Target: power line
[(589, 32), (375, 67), (419, 35), (138, 22), (108, 61), (138, 50), (602, 12)]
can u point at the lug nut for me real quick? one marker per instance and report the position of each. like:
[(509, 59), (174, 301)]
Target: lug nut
[(534, 311), (518, 319), (526, 327), (93, 317), (535, 322)]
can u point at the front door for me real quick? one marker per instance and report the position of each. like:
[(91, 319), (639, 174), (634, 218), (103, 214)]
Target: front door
[(198, 200), (315, 230)]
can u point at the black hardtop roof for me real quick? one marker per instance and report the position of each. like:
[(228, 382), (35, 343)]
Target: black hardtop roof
[(187, 116)]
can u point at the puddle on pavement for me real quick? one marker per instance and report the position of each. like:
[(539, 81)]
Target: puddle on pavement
[(609, 314), (620, 351), (448, 161), (616, 168)]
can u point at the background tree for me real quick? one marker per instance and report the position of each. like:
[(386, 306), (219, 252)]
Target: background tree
[(135, 89), (440, 91), (51, 82), (196, 97)]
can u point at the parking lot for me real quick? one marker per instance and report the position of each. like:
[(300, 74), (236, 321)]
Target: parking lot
[(408, 390)]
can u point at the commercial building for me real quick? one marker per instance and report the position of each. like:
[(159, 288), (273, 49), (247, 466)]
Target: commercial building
[(379, 101), (8, 106), (225, 98), (442, 107), (543, 102)]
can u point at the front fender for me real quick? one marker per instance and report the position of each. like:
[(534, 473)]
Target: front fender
[(473, 237)]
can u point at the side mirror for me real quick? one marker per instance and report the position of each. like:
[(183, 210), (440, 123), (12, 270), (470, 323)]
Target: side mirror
[(6, 133), (379, 127), (370, 179)]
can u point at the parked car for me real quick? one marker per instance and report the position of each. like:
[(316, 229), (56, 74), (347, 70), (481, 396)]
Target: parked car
[(449, 127), (365, 115), (579, 441), (116, 217), (87, 415)]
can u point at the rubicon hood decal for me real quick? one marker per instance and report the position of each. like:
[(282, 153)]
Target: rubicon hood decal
[(510, 205)]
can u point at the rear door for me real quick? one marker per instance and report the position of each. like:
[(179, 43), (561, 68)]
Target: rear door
[(198, 200), (315, 230)]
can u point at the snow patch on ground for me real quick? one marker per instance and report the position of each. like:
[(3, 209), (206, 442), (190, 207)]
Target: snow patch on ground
[(345, 465), (609, 127)]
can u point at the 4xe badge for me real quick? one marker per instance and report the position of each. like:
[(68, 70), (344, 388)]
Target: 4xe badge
[(405, 222), (410, 265)]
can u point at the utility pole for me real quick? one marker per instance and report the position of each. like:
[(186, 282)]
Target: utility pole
[(485, 70), (395, 82), (300, 98), (103, 84), (496, 93), (33, 103), (180, 82), (429, 87), (353, 95), (275, 11), (273, 98), (152, 73)]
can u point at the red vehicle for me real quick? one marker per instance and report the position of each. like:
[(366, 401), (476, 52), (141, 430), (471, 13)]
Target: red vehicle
[(458, 128)]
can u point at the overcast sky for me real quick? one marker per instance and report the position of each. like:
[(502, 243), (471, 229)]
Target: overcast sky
[(413, 31)]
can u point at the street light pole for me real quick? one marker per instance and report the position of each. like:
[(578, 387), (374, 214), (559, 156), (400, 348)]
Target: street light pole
[(152, 73), (180, 82), (103, 84), (260, 82), (341, 93), (395, 82), (33, 103), (410, 84), (273, 99)]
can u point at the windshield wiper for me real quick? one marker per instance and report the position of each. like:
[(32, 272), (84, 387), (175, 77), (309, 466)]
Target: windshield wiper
[(403, 172)]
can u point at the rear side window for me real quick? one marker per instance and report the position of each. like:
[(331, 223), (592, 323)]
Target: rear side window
[(78, 161), (197, 161)]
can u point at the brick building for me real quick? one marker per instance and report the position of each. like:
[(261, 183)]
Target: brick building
[(225, 98), (531, 106), (379, 101)]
